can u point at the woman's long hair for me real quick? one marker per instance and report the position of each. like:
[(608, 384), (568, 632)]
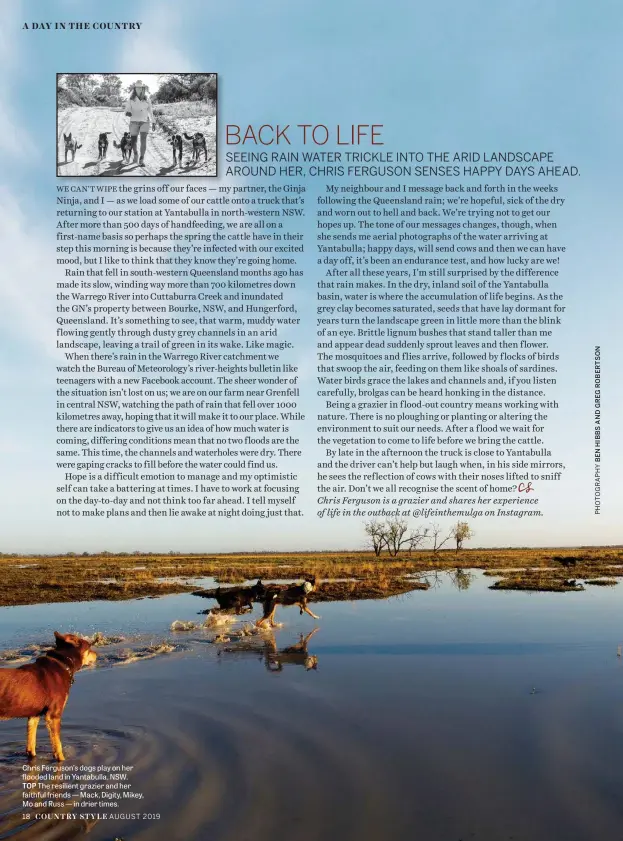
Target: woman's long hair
[(134, 94)]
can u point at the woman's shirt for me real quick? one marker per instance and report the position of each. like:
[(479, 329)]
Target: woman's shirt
[(140, 109)]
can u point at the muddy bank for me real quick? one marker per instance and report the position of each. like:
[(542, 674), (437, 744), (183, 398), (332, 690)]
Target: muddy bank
[(335, 591), (538, 583)]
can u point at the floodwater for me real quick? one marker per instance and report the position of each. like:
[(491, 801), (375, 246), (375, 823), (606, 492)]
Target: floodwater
[(442, 715)]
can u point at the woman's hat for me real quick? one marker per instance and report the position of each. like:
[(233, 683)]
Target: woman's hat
[(139, 84)]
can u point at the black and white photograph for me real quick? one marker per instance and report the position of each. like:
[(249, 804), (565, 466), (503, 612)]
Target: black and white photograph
[(142, 124)]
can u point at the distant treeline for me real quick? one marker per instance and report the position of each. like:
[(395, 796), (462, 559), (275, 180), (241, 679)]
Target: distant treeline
[(109, 89), (187, 87)]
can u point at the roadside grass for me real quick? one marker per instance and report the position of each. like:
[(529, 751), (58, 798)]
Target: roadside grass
[(190, 117), (185, 110)]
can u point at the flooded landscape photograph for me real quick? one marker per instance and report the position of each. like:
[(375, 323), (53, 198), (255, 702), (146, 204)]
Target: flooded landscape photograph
[(420, 696), (311, 399)]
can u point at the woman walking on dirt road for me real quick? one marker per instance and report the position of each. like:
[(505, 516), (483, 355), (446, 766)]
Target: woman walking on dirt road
[(138, 109)]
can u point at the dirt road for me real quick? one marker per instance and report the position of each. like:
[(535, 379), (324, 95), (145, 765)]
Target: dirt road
[(86, 123)]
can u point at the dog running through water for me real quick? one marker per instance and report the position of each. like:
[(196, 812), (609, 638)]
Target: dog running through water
[(287, 595), (237, 599), (42, 688)]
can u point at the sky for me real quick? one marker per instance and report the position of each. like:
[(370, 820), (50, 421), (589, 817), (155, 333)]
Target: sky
[(449, 75)]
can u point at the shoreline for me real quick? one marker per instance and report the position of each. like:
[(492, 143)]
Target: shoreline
[(42, 579)]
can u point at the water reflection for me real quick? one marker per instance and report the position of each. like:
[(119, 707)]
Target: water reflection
[(458, 688), (275, 658), (461, 578)]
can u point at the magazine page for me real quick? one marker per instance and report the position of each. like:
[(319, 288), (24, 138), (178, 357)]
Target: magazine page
[(309, 401)]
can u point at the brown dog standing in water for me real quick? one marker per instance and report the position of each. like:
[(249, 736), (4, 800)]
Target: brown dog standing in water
[(42, 688)]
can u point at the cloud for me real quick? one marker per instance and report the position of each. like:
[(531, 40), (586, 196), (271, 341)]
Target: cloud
[(10, 444), (152, 48), (28, 258), (10, 22)]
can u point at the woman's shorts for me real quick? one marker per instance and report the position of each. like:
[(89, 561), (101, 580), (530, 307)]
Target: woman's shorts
[(138, 127)]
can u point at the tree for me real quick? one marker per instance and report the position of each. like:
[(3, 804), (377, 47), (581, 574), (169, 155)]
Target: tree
[(207, 89), (435, 536), (392, 535), (108, 92), (83, 83), (395, 531), (186, 86), (460, 533), (376, 533), (417, 537), (172, 90)]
